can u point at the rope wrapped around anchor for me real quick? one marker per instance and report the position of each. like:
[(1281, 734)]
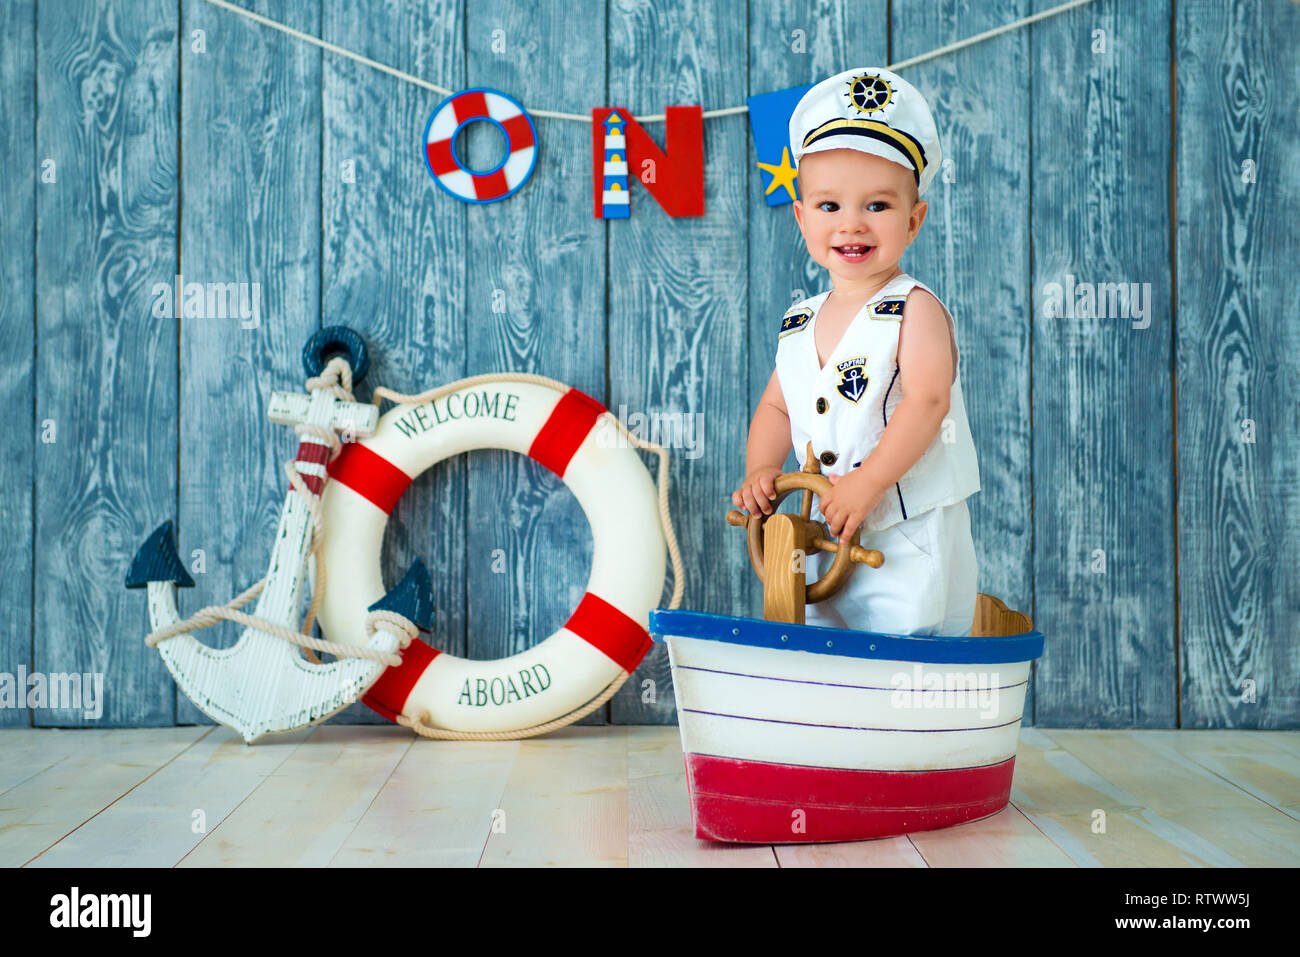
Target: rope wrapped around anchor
[(336, 377)]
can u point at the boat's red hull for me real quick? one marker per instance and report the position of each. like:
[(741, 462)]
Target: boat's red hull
[(758, 802)]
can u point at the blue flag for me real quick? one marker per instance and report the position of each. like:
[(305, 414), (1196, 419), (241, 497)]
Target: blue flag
[(769, 124)]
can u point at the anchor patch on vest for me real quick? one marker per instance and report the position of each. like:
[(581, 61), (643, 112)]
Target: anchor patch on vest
[(889, 309), (794, 321), (853, 378)]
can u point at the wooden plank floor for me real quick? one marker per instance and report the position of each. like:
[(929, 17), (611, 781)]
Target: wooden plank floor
[(374, 796)]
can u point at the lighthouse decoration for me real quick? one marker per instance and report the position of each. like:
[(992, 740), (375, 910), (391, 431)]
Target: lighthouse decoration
[(614, 198)]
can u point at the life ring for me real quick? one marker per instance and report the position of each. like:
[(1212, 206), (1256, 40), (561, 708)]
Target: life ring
[(472, 106), (572, 435)]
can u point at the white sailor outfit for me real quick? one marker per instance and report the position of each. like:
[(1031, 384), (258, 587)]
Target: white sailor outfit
[(927, 585)]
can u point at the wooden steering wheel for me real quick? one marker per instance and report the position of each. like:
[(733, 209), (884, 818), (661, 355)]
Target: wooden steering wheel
[(815, 535)]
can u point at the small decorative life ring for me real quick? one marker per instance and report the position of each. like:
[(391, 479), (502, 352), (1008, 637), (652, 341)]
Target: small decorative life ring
[(574, 436), (472, 106)]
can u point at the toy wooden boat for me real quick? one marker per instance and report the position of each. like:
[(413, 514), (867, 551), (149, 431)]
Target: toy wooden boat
[(797, 733)]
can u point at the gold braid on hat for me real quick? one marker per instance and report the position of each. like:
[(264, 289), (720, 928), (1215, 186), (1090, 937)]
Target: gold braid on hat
[(905, 142)]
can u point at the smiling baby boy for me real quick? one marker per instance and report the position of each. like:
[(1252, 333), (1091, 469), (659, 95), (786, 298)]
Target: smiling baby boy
[(868, 371)]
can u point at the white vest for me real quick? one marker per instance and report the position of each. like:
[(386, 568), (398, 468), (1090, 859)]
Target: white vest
[(844, 407)]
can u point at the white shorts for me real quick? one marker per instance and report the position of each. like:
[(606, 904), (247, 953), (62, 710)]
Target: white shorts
[(926, 586)]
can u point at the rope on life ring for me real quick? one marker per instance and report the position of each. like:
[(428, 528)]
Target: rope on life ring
[(417, 723)]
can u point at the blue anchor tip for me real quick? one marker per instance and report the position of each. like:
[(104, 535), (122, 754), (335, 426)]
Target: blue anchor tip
[(157, 561), (411, 597)]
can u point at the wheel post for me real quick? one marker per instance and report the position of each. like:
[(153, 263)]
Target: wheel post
[(784, 556)]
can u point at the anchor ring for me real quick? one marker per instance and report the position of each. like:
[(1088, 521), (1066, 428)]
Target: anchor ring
[(332, 341)]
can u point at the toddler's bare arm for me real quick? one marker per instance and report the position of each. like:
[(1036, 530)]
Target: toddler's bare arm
[(925, 373), (769, 444), (769, 432)]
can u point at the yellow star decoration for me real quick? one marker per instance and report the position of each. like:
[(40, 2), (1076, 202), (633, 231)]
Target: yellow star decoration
[(782, 175)]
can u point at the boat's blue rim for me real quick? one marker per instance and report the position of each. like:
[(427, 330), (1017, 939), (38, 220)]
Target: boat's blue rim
[(849, 644)]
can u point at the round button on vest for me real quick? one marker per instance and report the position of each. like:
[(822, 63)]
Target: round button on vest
[(828, 458), (822, 405)]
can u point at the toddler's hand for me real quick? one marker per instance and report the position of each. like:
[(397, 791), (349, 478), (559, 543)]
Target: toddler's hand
[(851, 499), (757, 491)]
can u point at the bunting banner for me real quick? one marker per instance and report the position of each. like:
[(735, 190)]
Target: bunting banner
[(622, 152)]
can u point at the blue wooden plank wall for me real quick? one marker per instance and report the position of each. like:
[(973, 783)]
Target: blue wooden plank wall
[(1238, 202), (17, 331), (107, 84), (1102, 394), (1140, 483)]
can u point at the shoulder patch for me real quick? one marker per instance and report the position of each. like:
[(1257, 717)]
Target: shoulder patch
[(890, 308), (794, 320)]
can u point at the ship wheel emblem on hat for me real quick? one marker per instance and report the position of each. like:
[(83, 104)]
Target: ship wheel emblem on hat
[(869, 93)]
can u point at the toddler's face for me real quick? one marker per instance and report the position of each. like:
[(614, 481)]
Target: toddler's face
[(858, 212)]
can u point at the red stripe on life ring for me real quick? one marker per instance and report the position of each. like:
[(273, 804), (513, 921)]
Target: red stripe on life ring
[(370, 475), (570, 422), (470, 105), (608, 630), (519, 132), (388, 695), (490, 185), (440, 159)]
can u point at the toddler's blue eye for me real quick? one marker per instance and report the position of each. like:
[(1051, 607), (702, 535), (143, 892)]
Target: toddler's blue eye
[(827, 203), (881, 203)]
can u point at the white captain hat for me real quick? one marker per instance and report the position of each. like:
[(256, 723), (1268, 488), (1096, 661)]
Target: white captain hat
[(872, 110)]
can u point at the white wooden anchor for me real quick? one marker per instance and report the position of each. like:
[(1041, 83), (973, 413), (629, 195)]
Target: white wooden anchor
[(263, 684)]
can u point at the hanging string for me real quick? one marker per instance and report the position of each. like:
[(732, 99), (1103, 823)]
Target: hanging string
[(987, 35), (653, 118)]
